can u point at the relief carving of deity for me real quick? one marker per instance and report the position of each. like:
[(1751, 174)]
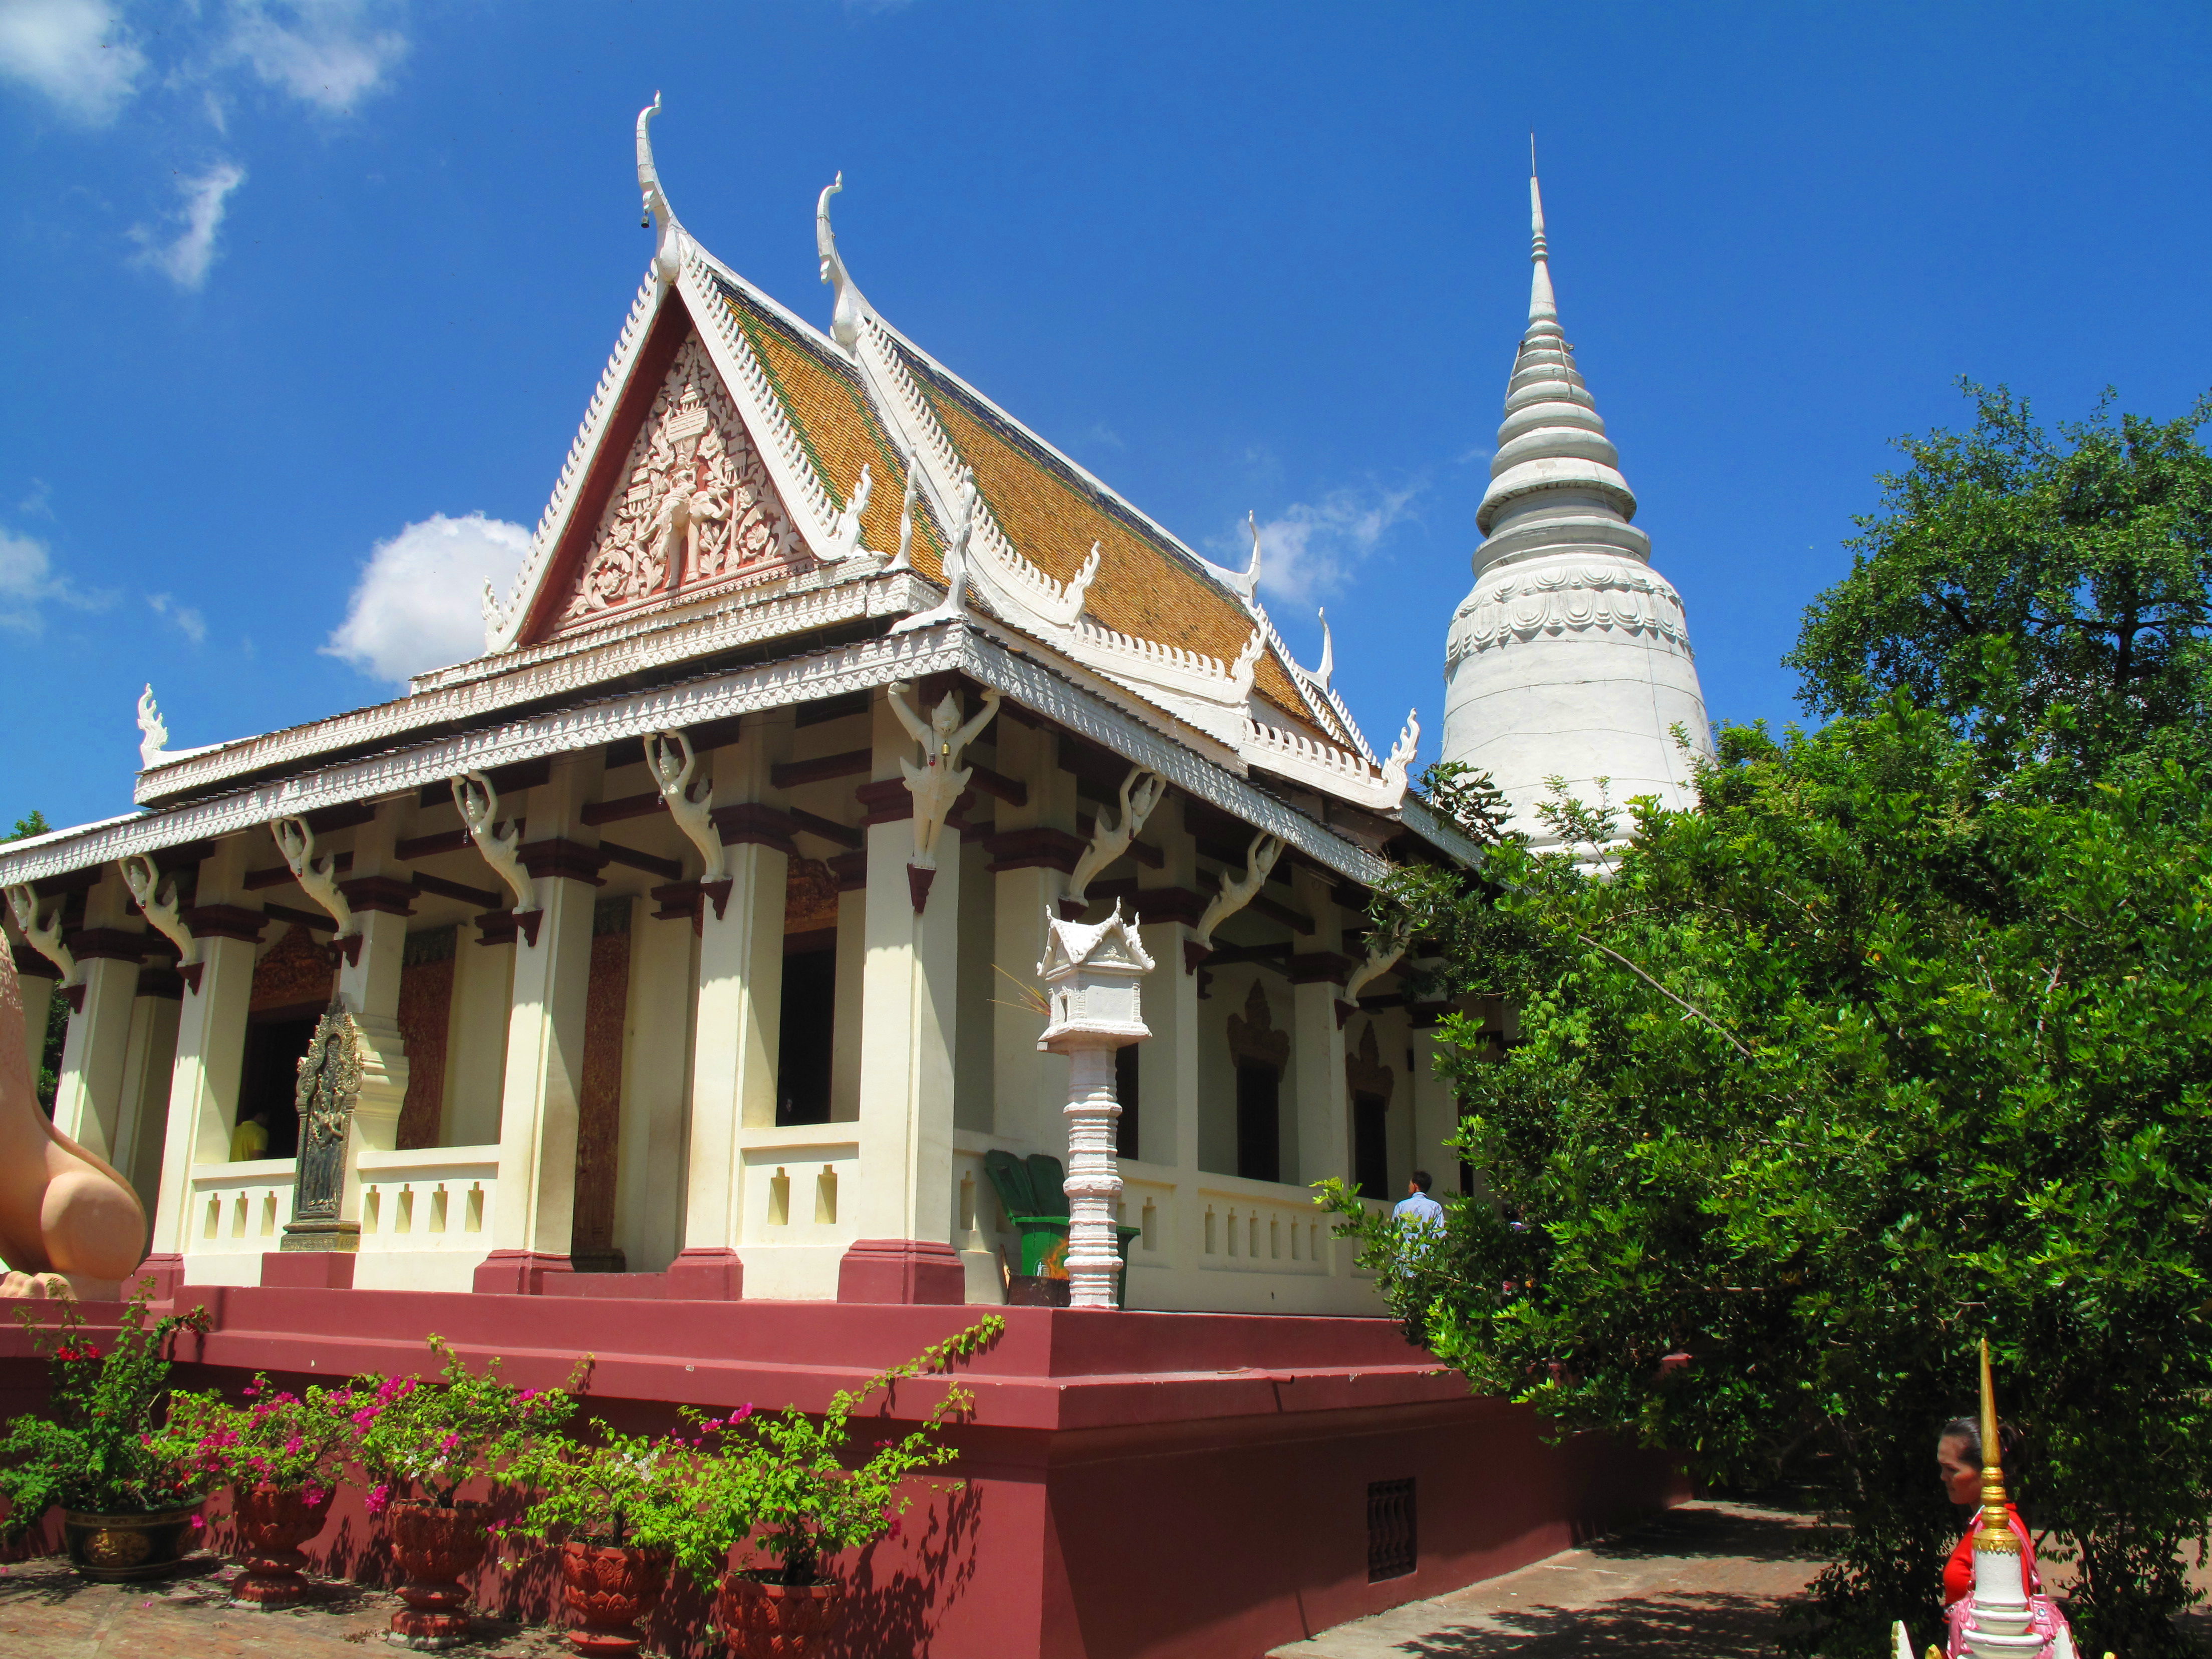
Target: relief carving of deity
[(696, 505)]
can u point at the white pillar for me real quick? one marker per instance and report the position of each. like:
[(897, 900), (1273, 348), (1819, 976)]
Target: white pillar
[(151, 1056), (536, 1205), (1033, 851), (109, 947), (1318, 968), (910, 988), (37, 983), (740, 1006), (210, 1049)]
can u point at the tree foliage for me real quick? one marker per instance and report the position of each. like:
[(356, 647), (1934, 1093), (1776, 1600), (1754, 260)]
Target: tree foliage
[(1901, 1038), (2019, 579)]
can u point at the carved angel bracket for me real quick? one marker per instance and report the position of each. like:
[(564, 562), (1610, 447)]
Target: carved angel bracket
[(939, 782), (44, 933), (669, 756), (1237, 892), (1109, 838), (479, 806), (156, 897), (318, 875)]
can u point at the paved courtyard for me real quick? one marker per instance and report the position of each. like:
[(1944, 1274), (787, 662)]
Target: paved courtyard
[(1706, 1579)]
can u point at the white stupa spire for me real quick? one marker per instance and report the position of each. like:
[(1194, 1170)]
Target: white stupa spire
[(1571, 656)]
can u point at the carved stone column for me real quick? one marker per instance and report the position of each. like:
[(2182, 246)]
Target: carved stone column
[(740, 1004), (211, 1048), (151, 1057), (909, 1006), (1093, 978), (108, 948), (539, 1094)]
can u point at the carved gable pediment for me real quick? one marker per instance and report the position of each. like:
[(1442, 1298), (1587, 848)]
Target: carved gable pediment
[(693, 510)]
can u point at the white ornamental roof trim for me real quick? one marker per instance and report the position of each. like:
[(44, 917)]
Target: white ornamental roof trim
[(863, 666), (572, 667)]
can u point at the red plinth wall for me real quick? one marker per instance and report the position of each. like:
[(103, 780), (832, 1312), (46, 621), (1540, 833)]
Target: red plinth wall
[(1137, 1486)]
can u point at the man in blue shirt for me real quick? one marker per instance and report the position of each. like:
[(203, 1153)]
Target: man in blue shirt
[(1417, 1206)]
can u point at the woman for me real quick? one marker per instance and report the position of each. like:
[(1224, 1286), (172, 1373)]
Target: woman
[(1959, 1459)]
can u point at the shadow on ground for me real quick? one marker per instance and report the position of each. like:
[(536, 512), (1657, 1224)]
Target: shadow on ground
[(1708, 1626)]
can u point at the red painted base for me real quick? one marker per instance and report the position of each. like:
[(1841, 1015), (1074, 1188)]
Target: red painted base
[(706, 1276), (1135, 1485), (520, 1273), (308, 1270), (168, 1273), (908, 1271)]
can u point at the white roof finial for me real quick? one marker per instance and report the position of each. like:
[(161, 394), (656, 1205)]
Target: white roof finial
[(1251, 582), (668, 256), (1542, 306), (1327, 652), (851, 305), (153, 732)]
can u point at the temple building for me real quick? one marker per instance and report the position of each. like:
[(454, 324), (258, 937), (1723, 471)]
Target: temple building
[(692, 943)]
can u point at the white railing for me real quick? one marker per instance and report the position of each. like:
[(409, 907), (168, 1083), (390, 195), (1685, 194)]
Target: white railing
[(239, 1209), (429, 1198), (801, 1184), (1256, 1226)]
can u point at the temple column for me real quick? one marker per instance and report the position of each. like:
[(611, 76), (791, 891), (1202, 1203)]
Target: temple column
[(370, 960), (740, 1006), (543, 1079), (210, 1050), (108, 948), (656, 1090), (1435, 1109), (1033, 852), (909, 994), (1323, 1112), (35, 977), (145, 1094)]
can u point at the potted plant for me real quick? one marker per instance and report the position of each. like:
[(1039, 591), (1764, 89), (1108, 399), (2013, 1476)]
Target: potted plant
[(281, 1455), (784, 1476), (419, 1443), (126, 1509), (614, 1505)]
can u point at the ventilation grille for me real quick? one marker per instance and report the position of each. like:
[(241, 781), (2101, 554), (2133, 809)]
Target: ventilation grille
[(1393, 1543)]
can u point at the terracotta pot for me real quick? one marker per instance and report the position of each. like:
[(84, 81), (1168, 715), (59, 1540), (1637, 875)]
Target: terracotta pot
[(607, 1588), (438, 1547), (113, 1548), (761, 1619), (272, 1524)]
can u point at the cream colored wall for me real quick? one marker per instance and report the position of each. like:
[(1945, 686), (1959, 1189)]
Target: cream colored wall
[(476, 1040)]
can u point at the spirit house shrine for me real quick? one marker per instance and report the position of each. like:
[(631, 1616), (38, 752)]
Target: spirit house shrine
[(853, 797)]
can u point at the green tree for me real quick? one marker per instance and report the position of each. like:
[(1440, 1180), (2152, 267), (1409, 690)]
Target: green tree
[(2018, 580), (49, 1057), (1871, 1056)]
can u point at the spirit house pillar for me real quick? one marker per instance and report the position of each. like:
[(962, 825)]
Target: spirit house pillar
[(1090, 976)]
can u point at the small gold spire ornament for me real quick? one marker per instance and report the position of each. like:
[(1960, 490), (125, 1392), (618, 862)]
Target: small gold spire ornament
[(1995, 1533)]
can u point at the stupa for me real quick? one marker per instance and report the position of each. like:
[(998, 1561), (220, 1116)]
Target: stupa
[(1570, 658)]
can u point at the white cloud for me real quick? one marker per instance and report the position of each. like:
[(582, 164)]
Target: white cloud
[(27, 581), (187, 619), (419, 603), (78, 52), (1308, 552), (329, 53), (185, 258)]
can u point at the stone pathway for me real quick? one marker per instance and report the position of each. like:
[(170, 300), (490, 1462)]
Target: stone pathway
[(46, 1612), (1706, 1579)]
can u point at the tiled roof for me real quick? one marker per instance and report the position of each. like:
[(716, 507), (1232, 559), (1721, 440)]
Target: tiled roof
[(823, 398), (1145, 586)]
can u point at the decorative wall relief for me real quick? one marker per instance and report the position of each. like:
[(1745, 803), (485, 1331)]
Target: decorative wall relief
[(426, 1001), (296, 971), (1364, 1073), (1253, 1038), (695, 505), (810, 897)]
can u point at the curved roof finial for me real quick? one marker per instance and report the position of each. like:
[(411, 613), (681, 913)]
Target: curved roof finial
[(1327, 652), (852, 304), (668, 257), (1251, 582)]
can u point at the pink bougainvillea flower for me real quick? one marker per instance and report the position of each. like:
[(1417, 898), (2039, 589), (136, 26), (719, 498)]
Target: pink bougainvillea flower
[(379, 1496), (198, 1525)]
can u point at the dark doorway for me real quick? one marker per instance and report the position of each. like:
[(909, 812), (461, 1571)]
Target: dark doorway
[(806, 1036), (269, 1080), (1371, 1146), (1124, 1091), (1259, 1122)]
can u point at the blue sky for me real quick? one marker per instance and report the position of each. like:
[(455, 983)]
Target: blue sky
[(278, 281)]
